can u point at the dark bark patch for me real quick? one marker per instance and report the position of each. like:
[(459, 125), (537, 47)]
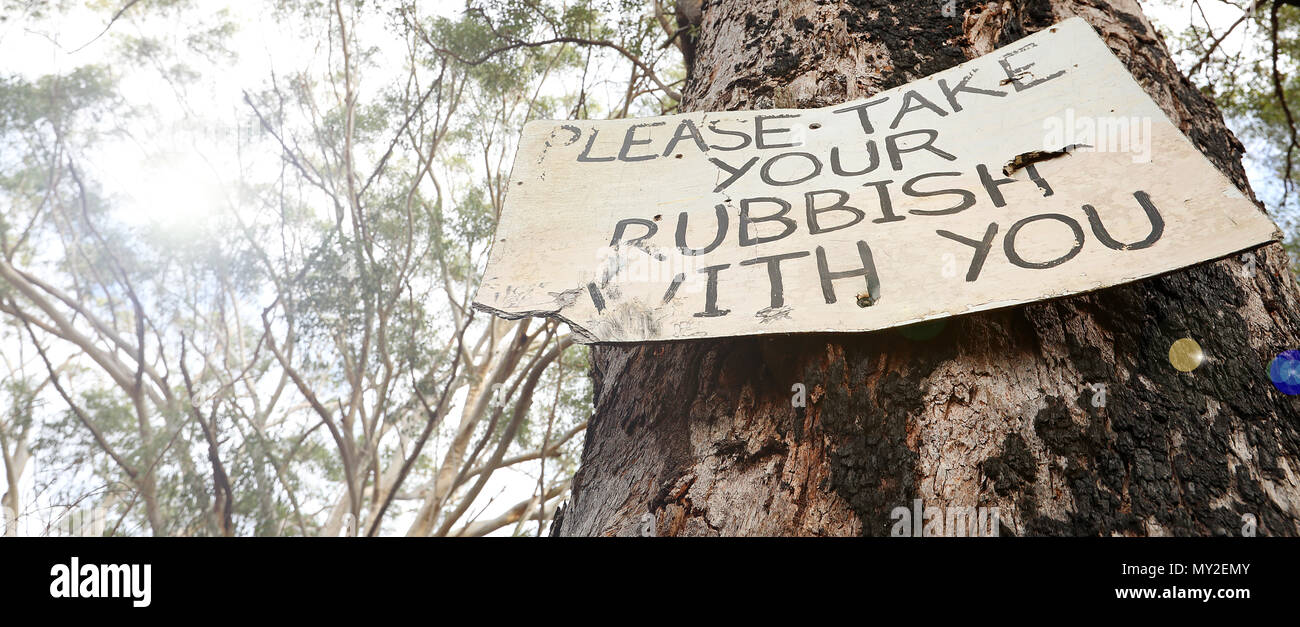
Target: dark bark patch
[(920, 39), (738, 451), (872, 467), (784, 60), (1013, 468), (866, 416), (1097, 506), (1036, 14), (1133, 22), (1054, 426)]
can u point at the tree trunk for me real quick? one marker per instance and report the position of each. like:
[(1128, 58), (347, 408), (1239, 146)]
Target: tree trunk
[(701, 438)]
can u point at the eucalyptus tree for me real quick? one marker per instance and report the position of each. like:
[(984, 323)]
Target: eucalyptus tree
[(993, 411)]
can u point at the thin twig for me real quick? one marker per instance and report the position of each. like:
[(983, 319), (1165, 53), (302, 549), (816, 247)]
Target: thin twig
[(1286, 110)]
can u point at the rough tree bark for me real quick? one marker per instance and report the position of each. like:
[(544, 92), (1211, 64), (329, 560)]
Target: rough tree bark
[(700, 438)]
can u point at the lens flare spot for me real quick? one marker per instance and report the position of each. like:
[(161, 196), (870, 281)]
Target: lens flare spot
[(1185, 355), (1284, 371)]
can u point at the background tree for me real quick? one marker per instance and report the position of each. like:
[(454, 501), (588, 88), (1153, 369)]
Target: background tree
[(296, 355), (700, 438)]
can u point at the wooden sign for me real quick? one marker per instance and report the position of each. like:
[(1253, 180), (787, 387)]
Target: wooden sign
[(1039, 170)]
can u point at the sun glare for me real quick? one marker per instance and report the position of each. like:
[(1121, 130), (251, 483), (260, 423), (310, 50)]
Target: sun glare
[(177, 189)]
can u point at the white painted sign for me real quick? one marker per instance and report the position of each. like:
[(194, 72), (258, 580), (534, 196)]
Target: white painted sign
[(1036, 171)]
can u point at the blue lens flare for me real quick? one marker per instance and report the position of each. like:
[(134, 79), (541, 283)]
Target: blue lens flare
[(1285, 372)]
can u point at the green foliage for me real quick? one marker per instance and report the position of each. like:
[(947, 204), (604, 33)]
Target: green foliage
[(56, 101)]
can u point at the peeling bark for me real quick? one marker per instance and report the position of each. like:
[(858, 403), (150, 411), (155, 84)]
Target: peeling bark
[(701, 438)]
